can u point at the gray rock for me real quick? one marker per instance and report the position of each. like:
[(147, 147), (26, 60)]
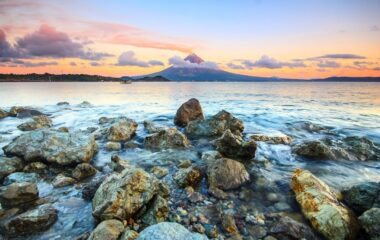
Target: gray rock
[(370, 221), (189, 111), (18, 193), (37, 122), (9, 165), (315, 150), (363, 196), (168, 138), (107, 230), (62, 181), (151, 128), (123, 130), (83, 171), (169, 231), (157, 212), (113, 146), (362, 148), (233, 146), (53, 147), (190, 176), (118, 164), (90, 187), (287, 228), (63, 103), (24, 112)]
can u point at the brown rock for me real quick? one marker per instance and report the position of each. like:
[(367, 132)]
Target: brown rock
[(234, 146), (18, 193), (168, 138), (83, 170), (189, 111)]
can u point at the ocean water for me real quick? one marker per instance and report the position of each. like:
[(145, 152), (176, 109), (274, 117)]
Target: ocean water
[(342, 109)]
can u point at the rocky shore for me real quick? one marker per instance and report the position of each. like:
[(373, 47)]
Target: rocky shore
[(218, 192)]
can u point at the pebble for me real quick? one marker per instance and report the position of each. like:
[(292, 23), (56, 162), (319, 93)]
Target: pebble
[(272, 197)]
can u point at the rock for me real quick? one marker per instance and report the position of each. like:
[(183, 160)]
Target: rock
[(169, 231), (216, 192), (3, 114), (321, 207), (19, 177), (85, 104), (123, 130), (63, 103), (63, 129), (363, 196), (190, 176), (158, 212), (107, 230), (226, 174), (52, 147), (18, 193), (38, 167), (315, 150), (215, 126), (24, 112), (83, 170), (168, 138), (113, 146), (122, 195), (233, 146), (129, 235), (151, 128), (9, 165), (37, 122), (210, 156), (90, 187), (62, 181), (370, 221), (36, 220), (287, 228), (286, 140), (189, 111), (211, 230), (228, 223), (118, 164), (362, 148), (159, 172), (185, 163)]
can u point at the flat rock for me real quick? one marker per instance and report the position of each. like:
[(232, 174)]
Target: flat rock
[(233, 146), (188, 111), (37, 122), (169, 231), (107, 230), (168, 138), (9, 165), (18, 193), (62, 181), (286, 140)]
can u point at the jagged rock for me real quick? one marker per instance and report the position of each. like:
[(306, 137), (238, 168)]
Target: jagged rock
[(63, 103), (287, 228), (53, 147), (159, 172), (37, 122), (35, 167), (36, 220), (315, 150), (151, 128), (169, 231), (122, 195), (215, 126), (18, 193), (168, 138), (370, 221), (9, 165), (90, 187), (158, 212), (363, 196), (113, 146), (123, 130), (107, 230), (226, 174), (62, 181), (362, 148), (19, 177), (321, 207), (190, 176), (83, 170), (189, 111), (3, 114), (23, 112), (286, 140), (233, 146), (118, 164)]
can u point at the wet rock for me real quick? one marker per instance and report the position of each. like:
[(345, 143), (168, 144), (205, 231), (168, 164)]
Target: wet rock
[(190, 176), (228, 223), (218, 193), (53, 147), (258, 231), (122, 195), (3, 114), (118, 164), (19, 177), (107, 230), (363, 196), (189, 111), (211, 230), (233, 146), (370, 221), (129, 234), (113, 146), (123, 130), (38, 167), (83, 171), (286, 140), (362, 148), (36, 220), (90, 188), (151, 128), (315, 150), (185, 163), (168, 138), (85, 104), (37, 122), (159, 172), (312, 127), (157, 212), (287, 228), (169, 230), (23, 112), (321, 207), (63, 103), (63, 129), (18, 193), (226, 174), (9, 165), (62, 181), (210, 156), (215, 126)]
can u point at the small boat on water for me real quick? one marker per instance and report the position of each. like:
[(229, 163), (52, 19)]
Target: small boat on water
[(126, 82)]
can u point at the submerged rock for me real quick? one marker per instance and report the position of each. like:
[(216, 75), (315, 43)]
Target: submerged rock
[(320, 206), (63, 103), (53, 147), (19, 177), (226, 174), (151, 128), (107, 230), (37, 122), (286, 140), (233, 146), (189, 111), (190, 176), (122, 130), (3, 114), (18, 193), (24, 112), (122, 195), (215, 126), (169, 231), (362, 148), (113, 146), (370, 221), (62, 181), (315, 150), (90, 187), (118, 164), (287, 228), (36, 220), (363, 196), (168, 138), (83, 170), (9, 165)]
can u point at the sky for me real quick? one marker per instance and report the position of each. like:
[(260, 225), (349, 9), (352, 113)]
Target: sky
[(269, 38)]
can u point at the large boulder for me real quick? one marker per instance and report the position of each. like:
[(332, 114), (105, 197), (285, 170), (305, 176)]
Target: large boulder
[(37, 122), (321, 207), (287, 228), (18, 193), (226, 174), (9, 165), (370, 221), (35, 220), (234, 146), (123, 194), (363, 196), (53, 147), (189, 111), (3, 114), (168, 138), (107, 230), (215, 126), (190, 176), (122, 130), (169, 231), (315, 150)]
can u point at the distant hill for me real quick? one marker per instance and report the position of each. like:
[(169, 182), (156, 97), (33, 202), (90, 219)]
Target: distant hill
[(47, 77), (152, 79), (348, 79)]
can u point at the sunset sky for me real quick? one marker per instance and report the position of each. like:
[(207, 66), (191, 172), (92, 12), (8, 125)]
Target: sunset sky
[(281, 38)]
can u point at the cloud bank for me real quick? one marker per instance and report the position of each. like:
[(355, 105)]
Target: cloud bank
[(129, 59), (179, 62)]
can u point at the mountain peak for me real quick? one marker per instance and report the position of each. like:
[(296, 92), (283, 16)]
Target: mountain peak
[(193, 58)]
